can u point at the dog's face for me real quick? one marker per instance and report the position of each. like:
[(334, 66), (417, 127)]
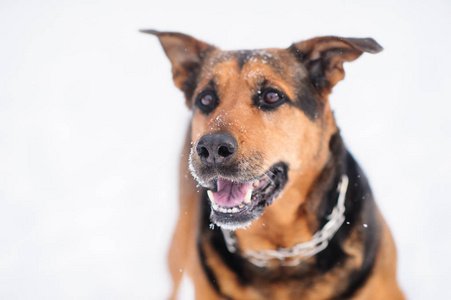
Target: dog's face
[(260, 118), (249, 128)]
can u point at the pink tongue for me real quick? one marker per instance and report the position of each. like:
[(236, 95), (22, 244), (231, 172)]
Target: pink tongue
[(230, 193)]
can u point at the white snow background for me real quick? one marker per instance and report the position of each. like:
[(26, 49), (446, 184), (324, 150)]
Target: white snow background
[(91, 129)]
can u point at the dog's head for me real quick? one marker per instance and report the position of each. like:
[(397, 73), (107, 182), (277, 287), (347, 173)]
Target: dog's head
[(261, 118)]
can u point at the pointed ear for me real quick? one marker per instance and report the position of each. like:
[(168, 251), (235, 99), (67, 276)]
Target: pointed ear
[(324, 57), (186, 54)]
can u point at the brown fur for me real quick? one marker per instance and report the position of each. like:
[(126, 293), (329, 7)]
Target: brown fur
[(294, 133)]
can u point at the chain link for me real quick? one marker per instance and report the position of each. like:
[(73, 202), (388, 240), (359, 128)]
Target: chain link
[(290, 257)]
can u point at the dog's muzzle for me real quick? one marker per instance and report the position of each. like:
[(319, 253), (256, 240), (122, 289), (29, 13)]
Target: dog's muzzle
[(238, 188)]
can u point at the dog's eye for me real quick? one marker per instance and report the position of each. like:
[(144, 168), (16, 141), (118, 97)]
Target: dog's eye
[(269, 99), (207, 101)]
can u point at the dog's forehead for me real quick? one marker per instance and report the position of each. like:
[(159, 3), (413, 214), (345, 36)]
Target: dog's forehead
[(265, 56), (251, 65), (273, 58)]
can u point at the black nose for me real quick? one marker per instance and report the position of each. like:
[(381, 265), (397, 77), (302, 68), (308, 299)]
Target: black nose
[(216, 149)]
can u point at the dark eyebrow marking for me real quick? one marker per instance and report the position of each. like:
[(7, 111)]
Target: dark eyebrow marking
[(212, 84), (242, 57), (261, 83)]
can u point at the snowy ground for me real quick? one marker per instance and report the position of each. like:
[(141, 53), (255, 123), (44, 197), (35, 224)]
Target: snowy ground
[(91, 128)]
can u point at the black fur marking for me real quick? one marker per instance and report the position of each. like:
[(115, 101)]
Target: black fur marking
[(360, 209), (208, 271), (307, 100), (307, 95), (316, 69), (372, 235), (317, 74), (300, 55), (193, 70), (333, 254), (190, 84), (243, 57)]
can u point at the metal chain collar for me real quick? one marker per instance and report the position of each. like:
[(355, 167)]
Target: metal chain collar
[(290, 257)]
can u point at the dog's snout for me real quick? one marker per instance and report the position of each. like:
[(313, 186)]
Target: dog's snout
[(216, 149)]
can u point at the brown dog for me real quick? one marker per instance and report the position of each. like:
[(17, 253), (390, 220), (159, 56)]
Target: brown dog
[(282, 210)]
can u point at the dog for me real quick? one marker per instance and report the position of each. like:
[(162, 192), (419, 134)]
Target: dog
[(276, 207)]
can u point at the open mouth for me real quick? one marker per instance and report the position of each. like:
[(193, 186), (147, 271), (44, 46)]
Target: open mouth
[(236, 204)]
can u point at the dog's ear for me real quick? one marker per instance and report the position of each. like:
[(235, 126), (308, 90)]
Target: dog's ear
[(324, 57), (186, 54)]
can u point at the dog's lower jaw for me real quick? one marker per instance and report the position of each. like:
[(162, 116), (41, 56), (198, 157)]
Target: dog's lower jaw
[(231, 221), (233, 226), (236, 205)]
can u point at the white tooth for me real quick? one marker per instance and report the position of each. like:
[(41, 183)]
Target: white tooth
[(222, 209), (210, 195), (234, 210), (215, 206), (229, 210), (247, 198)]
